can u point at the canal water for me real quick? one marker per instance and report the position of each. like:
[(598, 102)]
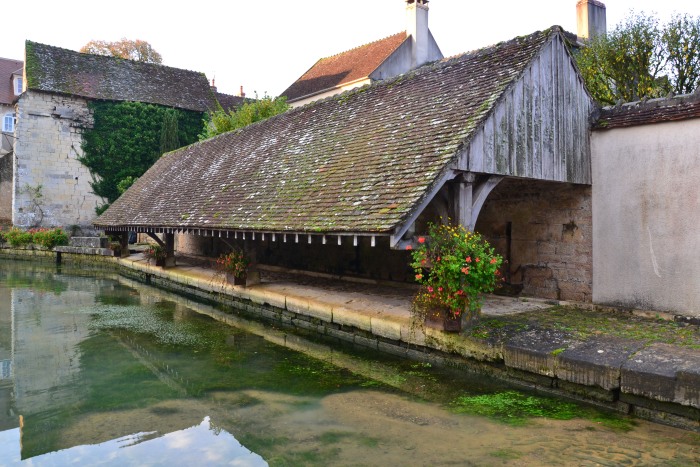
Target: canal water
[(100, 370)]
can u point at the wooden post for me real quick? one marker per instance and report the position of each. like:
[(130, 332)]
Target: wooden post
[(169, 249), (253, 271), (464, 201), (124, 243)]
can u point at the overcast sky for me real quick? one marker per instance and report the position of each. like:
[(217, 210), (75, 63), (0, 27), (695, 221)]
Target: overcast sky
[(265, 45)]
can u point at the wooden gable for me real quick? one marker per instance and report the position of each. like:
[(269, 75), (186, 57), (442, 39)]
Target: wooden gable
[(539, 128)]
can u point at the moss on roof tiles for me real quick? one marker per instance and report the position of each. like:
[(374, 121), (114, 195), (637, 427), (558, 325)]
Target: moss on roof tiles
[(53, 69), (359, 162)]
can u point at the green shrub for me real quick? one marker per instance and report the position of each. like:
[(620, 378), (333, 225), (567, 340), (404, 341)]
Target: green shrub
[(17, 237), (49, 238)]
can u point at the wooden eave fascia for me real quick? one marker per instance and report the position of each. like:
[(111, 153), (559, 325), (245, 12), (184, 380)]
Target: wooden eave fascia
[(330, 238)]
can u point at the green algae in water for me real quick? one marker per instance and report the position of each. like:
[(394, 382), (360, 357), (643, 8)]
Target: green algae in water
[(140, 319), (515, 408)]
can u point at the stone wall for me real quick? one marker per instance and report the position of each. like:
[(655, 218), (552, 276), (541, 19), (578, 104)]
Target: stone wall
[(646, 212), (51, 187), (545, 231)]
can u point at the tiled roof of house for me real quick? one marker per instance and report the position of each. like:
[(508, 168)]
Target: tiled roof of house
[(229, 101), (358, 162), (651, 111), (344, 67), (63, 71), (7, 68)]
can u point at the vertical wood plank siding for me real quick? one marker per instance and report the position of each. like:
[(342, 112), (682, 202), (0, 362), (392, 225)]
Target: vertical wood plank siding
[(539, 129)]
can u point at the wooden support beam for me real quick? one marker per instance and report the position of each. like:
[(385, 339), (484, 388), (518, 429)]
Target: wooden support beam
[(156, 238)]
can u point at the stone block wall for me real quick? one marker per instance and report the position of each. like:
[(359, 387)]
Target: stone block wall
[(545, 230), (49, 137)]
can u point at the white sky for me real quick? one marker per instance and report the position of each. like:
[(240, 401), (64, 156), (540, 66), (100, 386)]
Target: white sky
[(265, 45)]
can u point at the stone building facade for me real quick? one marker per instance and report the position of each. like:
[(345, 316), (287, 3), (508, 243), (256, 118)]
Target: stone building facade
[(52, 188)]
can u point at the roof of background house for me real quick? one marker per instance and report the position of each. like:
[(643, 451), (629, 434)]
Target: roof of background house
[(345, 67), (229, 101), (53, 69), (7, 68), (652, 111), (358, 162)]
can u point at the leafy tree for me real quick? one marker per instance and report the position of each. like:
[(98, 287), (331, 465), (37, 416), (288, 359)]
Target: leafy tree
[(681, 39), (221, 121), (624, 64), (138, 50)]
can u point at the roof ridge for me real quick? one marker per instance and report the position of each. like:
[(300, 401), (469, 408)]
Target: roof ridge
[(547, 32), (427, 67), (361, 46)]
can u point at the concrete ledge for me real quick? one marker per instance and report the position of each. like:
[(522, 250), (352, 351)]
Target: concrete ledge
[(665, 373), (84, 250), (535, 351), (597, 362)]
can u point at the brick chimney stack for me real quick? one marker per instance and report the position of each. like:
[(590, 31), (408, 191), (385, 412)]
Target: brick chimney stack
[(417, 29), (590, 18)]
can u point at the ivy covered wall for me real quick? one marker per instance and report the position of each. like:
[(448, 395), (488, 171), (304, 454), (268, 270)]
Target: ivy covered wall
[(126, 138)]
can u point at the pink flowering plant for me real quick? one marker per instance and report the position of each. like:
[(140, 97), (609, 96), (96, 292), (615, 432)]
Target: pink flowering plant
[(455, 267), (154, 252), (236, 263)]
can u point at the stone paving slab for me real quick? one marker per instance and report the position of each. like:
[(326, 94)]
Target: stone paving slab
[(536, 350), (664, 372), (596, 362)]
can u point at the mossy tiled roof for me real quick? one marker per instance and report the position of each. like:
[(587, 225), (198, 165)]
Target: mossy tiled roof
[(53, 69), (346, 67), (646, 112), (359, 162)]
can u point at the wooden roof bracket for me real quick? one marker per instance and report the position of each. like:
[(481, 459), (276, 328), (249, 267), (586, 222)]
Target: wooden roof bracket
[(470, 196), (395, 240)]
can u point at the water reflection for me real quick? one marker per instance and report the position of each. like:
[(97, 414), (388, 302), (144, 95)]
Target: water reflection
[(105, 371), (203, 444)]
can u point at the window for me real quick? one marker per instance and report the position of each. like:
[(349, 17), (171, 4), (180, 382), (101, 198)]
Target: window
[(18, 86), (8, 123)]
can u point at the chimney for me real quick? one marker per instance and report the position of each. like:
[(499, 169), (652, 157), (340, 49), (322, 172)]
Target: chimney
[(417, 29), (590, 17), (213, 84), (241, 93)]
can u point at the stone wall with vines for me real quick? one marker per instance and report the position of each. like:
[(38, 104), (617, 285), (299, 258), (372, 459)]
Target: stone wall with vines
[(126, 138)]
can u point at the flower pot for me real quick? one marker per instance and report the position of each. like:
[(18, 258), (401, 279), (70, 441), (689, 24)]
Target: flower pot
[(235, 280), (160, 262), (441, 319)]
